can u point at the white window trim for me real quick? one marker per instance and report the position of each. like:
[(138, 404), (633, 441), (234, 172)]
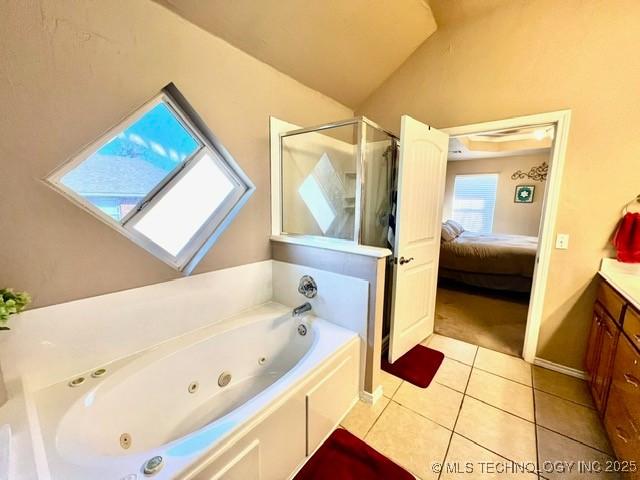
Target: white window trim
[(483, 174), (202, 241)]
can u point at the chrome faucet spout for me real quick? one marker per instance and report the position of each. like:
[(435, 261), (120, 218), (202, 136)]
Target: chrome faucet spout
[(305, 307)]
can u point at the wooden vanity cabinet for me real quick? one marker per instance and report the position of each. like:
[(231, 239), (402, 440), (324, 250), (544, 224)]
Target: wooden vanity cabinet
[(613, 364)]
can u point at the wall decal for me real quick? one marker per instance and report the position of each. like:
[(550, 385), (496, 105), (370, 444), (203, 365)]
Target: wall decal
[(538, 174)]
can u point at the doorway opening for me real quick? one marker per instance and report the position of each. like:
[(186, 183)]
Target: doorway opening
[(499, 208), (492, 208)]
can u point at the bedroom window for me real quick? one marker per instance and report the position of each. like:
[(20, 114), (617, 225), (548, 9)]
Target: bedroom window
[(161, 179), (474, 201)]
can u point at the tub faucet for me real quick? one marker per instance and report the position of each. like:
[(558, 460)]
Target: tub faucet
[(305, 307)]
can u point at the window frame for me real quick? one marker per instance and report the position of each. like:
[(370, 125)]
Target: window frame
[(205, 237), (495, 200)]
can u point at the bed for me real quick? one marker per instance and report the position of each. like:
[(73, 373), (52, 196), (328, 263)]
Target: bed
[(494, 261)]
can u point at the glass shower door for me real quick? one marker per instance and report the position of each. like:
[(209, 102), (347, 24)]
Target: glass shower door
[(319, 172)]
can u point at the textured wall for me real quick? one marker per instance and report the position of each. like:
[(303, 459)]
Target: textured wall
[(536, 56), (71, 69)]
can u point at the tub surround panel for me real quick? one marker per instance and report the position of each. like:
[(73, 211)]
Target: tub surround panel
[(368, 268), (53, 343), (341, 299)]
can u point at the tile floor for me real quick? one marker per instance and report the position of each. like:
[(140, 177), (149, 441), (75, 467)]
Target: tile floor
[(483, 411)]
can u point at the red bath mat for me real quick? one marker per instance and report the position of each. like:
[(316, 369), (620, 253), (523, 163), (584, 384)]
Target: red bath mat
[(344, 456), (418, 366)]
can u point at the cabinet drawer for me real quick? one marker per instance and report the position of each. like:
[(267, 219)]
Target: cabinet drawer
[(611, 301), (631, 325), (621, 427)]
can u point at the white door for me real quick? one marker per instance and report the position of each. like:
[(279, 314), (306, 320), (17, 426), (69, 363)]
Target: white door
[(421, 176)]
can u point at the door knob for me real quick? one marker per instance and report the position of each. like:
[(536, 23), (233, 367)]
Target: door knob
[(403, 260)]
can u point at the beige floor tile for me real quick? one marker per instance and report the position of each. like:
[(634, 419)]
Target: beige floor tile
[(564, 386), (453, 374), (452, 348), (504, 365), (502, 393), (468, 461), (410, 440), (573, 420), (436, 402), (390, 383), (362, 416), (555, 451), (498, 431)]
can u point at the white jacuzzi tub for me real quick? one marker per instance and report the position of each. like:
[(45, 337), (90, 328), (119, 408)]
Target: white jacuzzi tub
[(167, 401)]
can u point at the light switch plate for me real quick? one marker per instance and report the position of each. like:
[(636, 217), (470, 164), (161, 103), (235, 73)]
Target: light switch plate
[(562, 241)]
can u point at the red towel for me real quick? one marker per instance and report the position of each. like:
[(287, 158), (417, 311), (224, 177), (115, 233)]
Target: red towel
[(627, 238)]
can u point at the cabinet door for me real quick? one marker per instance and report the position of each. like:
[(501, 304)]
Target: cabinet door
[(622, 419), (595, 339), (604, 369)]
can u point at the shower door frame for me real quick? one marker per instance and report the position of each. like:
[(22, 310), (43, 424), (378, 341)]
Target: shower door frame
[(276, 173)]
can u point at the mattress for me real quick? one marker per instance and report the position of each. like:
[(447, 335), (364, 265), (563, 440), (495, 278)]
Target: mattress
[(496, 261)]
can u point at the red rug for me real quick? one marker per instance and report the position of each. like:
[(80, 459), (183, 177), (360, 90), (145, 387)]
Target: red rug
[(344, 456), (418, 366)]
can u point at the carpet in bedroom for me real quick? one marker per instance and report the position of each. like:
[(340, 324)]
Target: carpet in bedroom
[(494, 320)]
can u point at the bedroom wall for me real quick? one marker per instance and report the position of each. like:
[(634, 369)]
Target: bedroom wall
[(71, 69), (509, 217), (537, 56)]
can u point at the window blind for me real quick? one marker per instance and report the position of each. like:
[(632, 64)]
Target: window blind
[(474, 201)]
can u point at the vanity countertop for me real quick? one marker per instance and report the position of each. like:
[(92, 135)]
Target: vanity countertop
[(624, 277)]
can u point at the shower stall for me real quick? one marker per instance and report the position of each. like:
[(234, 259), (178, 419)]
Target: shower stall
[(352, 183), (339, 181)]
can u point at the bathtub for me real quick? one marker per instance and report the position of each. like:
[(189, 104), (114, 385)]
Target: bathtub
[(261, 378)]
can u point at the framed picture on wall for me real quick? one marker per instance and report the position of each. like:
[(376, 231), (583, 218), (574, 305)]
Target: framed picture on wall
[(524, 193)]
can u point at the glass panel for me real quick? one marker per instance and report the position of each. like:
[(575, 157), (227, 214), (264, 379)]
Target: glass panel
[(174, 219), (380, 165), (123, 171), (319, 182), (474, 201)]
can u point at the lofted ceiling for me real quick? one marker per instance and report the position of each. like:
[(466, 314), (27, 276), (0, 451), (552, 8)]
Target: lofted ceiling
[(342, 48)]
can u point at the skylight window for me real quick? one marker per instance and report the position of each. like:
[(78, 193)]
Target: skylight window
[(160, 178)]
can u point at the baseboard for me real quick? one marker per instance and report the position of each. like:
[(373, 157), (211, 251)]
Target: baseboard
[(556, 367), (372, 398)]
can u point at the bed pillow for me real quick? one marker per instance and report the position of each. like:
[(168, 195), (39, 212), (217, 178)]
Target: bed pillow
[(456, 227), (448, 234)]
